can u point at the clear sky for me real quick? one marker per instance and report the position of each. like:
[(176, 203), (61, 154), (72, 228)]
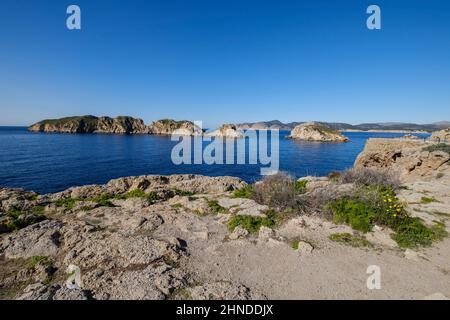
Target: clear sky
[(226, 60)]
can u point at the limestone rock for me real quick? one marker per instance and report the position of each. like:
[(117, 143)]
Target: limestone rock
[(238, 233), (41, 239), (313, 131), (91, 124), (169, 126), (226, 131), (408, 158), (304, 248), (441, 136), (265, 233)]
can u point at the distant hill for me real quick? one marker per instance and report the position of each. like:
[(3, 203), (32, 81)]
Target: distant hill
[(386, 126)]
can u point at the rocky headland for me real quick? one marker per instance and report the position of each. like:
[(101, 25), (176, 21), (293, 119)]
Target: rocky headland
[(442, 135), (313, 131), (411, 159), (198, 237)]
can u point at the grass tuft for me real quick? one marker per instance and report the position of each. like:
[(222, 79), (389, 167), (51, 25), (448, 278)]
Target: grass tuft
[(245, 192), (349, 239), (250, 223)]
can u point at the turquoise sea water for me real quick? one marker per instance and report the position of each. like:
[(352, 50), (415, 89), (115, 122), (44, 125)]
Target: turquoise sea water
[(53, 162)]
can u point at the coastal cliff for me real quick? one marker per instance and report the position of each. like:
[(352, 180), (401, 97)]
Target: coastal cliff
[(119, 125), (91, 124), (442, 135), (313, 131), (411, 159), (169, 126)]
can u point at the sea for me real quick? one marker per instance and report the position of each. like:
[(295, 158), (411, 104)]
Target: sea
[(52, 162)]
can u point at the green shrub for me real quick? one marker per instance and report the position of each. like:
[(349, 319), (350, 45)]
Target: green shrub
[(86, 208), (245, 192), (362, 212), (215, 206), (103, 199), (349, 239), (426, 200), (39, 210), (357, 214), (67, 203), (250, 223), (183, 193), (295, 244), (35, 260), (18, 223), (138, 193), (14, 212), (300, 186), (444, 147)]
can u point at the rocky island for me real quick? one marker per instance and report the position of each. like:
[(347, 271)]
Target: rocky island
[(169, 126), (313, 131), (226, 131), (119, 125), (198, 237)]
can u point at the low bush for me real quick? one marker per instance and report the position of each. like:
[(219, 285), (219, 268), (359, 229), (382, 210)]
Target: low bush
[(183, 193), (103, 199), (426, 200), (215, 207), (35, 260), (349, 239), (300, 186), (371, 177), (14, 212), (245, 192), (277, 191), (20, 223), (444, 147), (381, 206), (250, 223), (67, 203), (39, 210), (138, 193)]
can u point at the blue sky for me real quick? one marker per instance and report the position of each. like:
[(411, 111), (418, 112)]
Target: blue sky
[(226, 61)]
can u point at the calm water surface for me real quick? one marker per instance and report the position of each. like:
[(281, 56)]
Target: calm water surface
[(53, 162)]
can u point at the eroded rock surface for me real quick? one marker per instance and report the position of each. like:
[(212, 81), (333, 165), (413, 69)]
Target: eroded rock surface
[(409, 158)]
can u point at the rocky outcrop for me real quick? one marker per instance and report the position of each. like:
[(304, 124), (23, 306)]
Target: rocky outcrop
[(410, 158), (226, 131), (313, 131), (169, 126), (177, 237), (119, 125), (91, 124), (442, 135), (125, 237)]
